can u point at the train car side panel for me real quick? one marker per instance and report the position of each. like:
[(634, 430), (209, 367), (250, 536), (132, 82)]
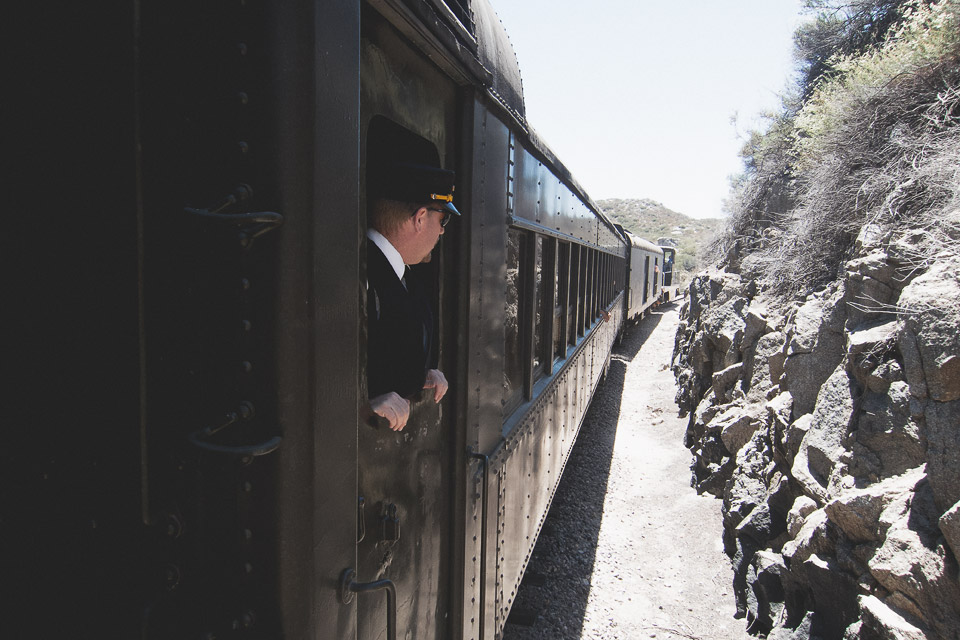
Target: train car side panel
[(484, 342)]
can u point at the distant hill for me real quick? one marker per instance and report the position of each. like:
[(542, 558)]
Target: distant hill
[(653, 221)]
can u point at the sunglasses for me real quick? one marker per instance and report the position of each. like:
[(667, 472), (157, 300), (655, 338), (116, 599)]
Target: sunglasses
[(446, 216)]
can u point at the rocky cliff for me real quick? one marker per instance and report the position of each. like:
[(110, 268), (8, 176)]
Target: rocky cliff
[(830, 428)]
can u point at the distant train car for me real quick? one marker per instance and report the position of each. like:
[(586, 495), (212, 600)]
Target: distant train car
[(185, 453), (644, 276), (670, 286)]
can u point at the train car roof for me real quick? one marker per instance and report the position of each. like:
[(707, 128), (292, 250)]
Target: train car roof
[(640, 243), (506, 87), (472, 45)]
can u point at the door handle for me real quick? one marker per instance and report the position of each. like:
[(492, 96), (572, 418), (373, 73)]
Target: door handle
[(348, 587)]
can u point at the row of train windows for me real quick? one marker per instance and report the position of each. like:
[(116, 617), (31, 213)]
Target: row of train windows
[(556, 290)]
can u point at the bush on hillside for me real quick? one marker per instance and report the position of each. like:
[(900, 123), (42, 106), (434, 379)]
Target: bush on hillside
[(875, 141)]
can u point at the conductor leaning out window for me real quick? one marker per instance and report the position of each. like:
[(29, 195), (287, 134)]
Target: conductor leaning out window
[(408, 214)]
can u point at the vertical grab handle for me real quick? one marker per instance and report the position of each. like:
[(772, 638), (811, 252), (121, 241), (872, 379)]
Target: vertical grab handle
[(485, 462), (348, 587)]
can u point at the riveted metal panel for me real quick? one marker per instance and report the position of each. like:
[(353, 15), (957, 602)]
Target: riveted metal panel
[(526, 184), (318, 284), (483, 353), (548, 198)]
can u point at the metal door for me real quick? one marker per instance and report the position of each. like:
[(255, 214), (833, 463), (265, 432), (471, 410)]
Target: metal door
[(406, 479)]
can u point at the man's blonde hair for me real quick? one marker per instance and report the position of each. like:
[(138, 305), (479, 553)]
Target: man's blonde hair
[(388, 216)]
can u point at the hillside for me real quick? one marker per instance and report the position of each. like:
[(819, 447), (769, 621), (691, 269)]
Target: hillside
[(653, 221), (819, 359)]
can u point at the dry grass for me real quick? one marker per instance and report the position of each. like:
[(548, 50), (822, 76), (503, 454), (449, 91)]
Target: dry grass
[(879, 145)]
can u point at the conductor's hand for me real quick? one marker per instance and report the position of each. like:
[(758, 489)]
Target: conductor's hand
[(393, 408), (436, 381)]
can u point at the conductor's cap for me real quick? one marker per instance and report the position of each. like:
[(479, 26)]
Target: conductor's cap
[(420, 183)]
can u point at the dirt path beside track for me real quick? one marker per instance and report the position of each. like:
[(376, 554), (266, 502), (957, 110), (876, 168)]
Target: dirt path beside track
[(629, 550)]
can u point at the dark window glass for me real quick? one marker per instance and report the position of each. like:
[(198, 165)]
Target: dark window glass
[(584, 290), (563, 291), (512, 352), (573, 307), (539, 301), (656, 276), (604, 280), (592, 303)]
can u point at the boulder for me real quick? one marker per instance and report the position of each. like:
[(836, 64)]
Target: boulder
[(803, 630), (943, 451), (769, 518), (950, 527), (737, 425), (794, 436), (765, 366), (868, 346), (802, 507), (913, 567), (823, 442), (857, 512), (765, 595), (779, 416), (872, 237), (748, 487), (707, 287), (723, 326), (816, 347), (724, 380), (886, 430), (814, 537), (879, 379), (755, 324), (833, 593), (930, 342), (870, 288), (880, 622), (874, 264)]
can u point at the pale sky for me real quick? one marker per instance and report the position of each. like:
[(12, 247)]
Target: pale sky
[(636, 96)]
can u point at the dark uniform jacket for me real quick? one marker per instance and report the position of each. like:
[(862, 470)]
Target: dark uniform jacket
[(399, 329)]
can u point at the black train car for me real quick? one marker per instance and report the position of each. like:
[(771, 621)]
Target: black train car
[(671, 284), (184, 455)]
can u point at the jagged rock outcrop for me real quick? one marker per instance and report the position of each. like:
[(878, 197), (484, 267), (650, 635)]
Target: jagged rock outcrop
[(831, 430)]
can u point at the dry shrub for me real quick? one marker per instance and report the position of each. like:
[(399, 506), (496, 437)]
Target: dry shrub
[(876, 143)]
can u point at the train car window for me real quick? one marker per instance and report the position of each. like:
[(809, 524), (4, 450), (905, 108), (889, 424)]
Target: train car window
[(605, 279), (573, 307), (587, 272), (581, 290), (562, 287), (608, 279), (546, 283), (656, 275), (539, 301), (595, 288), (646, 277), (512, 360)]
